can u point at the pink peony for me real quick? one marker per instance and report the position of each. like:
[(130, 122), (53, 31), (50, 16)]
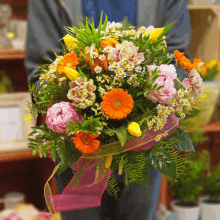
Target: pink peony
[(59, 115), (194, 82), (166, 93), (127, 51), (165, 70)]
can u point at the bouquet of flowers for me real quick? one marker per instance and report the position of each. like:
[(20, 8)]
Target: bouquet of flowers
[(112, 102)]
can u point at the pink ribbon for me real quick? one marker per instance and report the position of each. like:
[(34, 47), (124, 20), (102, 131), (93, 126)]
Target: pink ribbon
[(88, 192)]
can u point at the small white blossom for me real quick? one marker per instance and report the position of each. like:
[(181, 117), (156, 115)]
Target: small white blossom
[(107, 49), (138, 69), (102, 57), (98, 69), (93, 55), (158, 137)]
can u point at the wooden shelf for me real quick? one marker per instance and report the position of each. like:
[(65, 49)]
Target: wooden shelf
[(205, 7), (17, 155), (9, 55), (212, 127)]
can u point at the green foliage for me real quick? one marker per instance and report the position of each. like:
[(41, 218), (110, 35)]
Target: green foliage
[(87, 35), (198, 137), (126, 24), (122, 134), (61, 149), (181, 141), (210, 74), (191, 184), (212, 184), (112, 186), (135, 167), (167, 159), (88, 125)]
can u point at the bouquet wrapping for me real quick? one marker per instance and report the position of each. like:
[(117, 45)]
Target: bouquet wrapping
[(112, 102)]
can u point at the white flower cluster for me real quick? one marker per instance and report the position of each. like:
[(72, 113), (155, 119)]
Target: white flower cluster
[(51, 74)]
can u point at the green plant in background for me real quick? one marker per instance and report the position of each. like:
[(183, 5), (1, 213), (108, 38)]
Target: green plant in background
[(209, 70), (212, 184), (5, 83), (190, 185), (198, 137)]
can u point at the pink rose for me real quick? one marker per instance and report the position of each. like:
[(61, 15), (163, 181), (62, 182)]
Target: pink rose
[(194, 82), (166, 93), (59, 115)]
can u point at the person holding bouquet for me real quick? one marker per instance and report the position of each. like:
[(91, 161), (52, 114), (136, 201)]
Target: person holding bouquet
[(46, 22)]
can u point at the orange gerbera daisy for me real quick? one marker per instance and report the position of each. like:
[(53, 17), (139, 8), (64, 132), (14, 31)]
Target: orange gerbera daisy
[(117, 104), (69, 60), (86, 142), (183, 61)]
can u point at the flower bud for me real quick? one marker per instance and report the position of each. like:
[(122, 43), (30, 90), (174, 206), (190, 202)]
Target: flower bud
[(134, 129), (154, 35), (71, 73), (70, 41)]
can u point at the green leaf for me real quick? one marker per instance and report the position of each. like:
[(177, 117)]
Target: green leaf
[(122, 134), (81, 73), (87, 27), (105, 23), (181, 141), (144, 178)]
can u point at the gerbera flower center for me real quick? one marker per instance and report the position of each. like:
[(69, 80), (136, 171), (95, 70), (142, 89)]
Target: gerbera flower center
[(117, 103), (86, 139)]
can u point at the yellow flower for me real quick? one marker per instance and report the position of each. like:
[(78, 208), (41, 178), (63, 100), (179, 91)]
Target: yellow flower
[(203, 97), (211, 63), (28, 118), (156, 33), (70, 41), (71, 73), (108, 161), (134, 129), (10, 35)]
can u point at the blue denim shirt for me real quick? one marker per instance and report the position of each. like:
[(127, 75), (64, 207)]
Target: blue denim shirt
[(116, 10)]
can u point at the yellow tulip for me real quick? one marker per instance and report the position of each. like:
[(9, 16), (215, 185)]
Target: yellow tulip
[(134, 129), (211, 63), (71, 73), (156, 33), (70, 41)]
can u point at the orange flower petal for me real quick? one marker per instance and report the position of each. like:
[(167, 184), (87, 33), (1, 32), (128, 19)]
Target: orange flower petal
[(69, 60), (117, 104), (86, 142)]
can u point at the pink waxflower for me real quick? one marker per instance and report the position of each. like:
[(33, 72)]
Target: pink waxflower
[(194, 82), (166, 93), (59, 115)]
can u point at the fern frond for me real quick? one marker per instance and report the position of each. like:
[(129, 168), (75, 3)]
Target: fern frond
[(112, 187)]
